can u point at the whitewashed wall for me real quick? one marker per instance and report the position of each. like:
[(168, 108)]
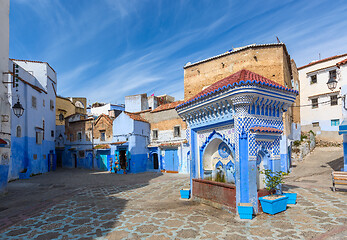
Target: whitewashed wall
[(325, 112), (5, 108)]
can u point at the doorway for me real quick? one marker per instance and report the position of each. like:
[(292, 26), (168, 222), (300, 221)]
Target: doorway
[(123, 159), (155, 161), (75, 160), (59, 158)]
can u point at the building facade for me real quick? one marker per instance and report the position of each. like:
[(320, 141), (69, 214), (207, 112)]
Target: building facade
[(236, 126), (78, 149), (169, 149), (33, 147), (104, 108), (5, 107), (321, 109), (65, 107), (269, 60), (129, 150)]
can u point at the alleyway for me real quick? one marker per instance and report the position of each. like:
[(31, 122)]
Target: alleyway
[(81, 204)]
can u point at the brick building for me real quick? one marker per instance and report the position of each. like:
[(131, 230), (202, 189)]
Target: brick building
[(168, 145)]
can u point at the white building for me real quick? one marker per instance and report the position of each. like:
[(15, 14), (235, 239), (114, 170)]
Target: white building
[(33, 147), (321, 108), (5, 107), (104, 109)]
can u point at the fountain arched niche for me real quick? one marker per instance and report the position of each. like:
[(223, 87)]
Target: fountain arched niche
[(218, 163)]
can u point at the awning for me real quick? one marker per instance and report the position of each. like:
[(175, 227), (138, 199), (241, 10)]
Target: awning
[(3, 143), (343, 127)]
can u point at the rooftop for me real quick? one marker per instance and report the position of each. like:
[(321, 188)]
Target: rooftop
[(243, 77), (322, 60), (136, 117), (167, 106), (235, 50), (343, 62), (33, 62)]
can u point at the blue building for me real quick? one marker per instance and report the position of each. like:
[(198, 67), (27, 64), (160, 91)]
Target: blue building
[(33, 147), (131, 137), (236, 126)]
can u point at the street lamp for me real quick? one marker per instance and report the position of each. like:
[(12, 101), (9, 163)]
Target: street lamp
[(332, 83), (18, 109)]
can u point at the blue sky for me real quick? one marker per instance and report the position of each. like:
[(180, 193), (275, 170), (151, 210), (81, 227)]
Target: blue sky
[(107, 49)]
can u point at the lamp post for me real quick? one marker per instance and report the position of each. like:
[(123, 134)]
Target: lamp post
[(332, 83), (18, 109)]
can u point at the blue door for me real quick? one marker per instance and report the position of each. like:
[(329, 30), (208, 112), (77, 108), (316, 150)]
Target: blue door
[(171, 160)]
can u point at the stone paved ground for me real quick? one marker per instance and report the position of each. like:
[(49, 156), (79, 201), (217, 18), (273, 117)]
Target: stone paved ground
[(91, 205)]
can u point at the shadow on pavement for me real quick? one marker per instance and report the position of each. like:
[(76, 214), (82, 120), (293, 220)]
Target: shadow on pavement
[(336, 164), (68, 204)]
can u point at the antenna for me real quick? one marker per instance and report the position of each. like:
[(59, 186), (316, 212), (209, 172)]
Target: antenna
[(319, 56)]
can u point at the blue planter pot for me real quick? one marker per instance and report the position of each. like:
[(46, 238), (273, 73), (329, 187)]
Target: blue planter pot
[(245, 212), (185, 193), (291, 198), (273, 206)]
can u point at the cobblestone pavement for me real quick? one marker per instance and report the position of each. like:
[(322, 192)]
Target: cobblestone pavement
[(154, 211), (95, 205)]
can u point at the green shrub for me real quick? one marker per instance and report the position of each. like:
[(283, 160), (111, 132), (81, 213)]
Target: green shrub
[(273, 179), (297, 143)]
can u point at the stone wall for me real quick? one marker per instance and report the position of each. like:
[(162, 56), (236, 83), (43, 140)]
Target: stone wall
[(270, 62), (306, 146)]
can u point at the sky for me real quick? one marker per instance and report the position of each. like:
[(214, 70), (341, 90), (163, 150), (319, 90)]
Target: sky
[(107, 49)]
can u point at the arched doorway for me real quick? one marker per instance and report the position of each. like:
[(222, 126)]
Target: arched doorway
[(263, 157), (218, 162), (155, 161)]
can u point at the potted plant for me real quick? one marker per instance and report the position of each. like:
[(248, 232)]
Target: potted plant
[(245, 210), (185, 193), (273, 203)]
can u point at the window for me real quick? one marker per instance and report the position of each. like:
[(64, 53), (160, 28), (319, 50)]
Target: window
[(315, 124), (79, 136), (313, 79), (51, 104), (61, 117), (19, 132), (332, 74), (177, 131), (52, 133), (314, 102), (39, 136), (33, 102), (71, 137), (43, 102), (333, 100), (335, 122), (155, 134), (102, 135)]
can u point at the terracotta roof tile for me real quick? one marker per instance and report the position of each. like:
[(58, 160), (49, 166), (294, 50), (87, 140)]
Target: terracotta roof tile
[(322, 60), (136, 117), (242, 77), (102, 146), (118, 143), (167, 106), (343, 62), (265, 130)]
